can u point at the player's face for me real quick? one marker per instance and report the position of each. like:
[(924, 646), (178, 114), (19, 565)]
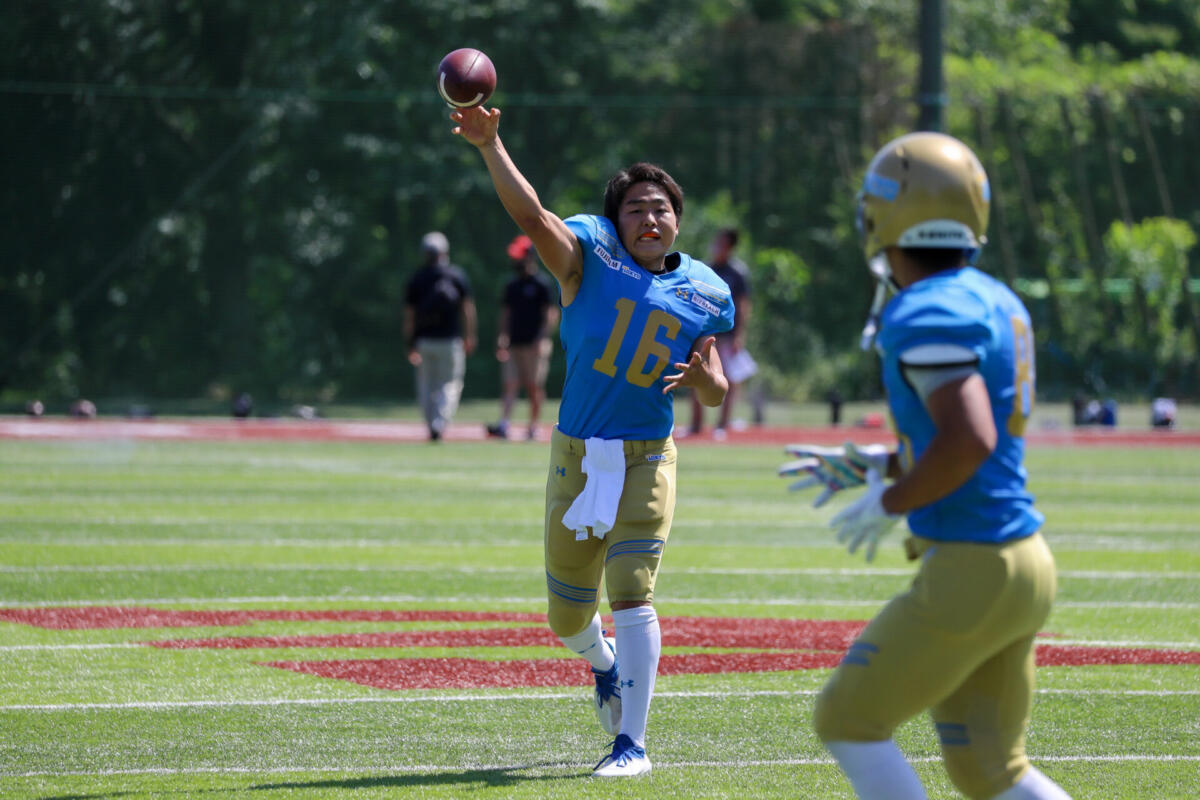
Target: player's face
[(719, 250), (648, 225)]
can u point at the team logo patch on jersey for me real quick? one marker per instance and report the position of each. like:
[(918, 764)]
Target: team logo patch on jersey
[(709, 292), (606, 257), (711, 308), (633, 273), (605, 239)]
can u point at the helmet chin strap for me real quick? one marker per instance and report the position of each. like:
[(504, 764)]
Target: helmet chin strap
[(884, 283)]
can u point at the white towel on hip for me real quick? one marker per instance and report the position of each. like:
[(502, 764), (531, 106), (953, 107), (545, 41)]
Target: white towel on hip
[(596, 506)]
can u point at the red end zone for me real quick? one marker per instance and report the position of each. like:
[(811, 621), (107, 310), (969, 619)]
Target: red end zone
[(775, 644)]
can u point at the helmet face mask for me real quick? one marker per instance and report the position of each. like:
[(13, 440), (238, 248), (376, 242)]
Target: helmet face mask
[(923, 190)]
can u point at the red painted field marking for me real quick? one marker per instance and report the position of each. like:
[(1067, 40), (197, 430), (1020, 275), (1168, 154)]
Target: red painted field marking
[(777, 634), (783, 644), (470, 673), (1060, 656)]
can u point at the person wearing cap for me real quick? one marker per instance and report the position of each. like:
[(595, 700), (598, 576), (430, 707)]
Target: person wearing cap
[(528, 315), (439, 329)]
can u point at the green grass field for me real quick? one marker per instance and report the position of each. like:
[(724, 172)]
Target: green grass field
[(335, 526)]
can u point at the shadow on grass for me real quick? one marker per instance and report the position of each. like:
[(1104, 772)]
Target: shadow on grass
[(509, 776)]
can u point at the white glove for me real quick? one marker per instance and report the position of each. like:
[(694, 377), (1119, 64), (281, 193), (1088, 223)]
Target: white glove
[(865, 520), (835, 468)]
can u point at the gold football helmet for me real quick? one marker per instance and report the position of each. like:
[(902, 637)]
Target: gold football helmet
[(922, 190)]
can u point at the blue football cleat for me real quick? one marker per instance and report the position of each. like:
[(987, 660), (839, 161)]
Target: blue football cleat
[(625, 760), (608, 693)]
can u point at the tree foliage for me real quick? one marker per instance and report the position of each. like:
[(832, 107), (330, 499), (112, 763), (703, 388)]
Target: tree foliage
[(206, 196)]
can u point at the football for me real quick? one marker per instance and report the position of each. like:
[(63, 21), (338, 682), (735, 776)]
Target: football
[(466, 78)]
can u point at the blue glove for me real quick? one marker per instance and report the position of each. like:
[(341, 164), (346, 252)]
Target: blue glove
[(864, 520), (835, 468)]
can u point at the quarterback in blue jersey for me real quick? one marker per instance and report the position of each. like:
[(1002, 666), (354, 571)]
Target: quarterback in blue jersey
[(957, 353), (638, 322)]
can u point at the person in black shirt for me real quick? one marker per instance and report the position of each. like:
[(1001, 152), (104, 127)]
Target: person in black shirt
[(439, 327), (523, 346), (732, 344)]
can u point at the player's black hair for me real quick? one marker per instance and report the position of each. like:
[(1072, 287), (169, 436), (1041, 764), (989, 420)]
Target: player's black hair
[(641, 172), (936, 259), (730, 235)]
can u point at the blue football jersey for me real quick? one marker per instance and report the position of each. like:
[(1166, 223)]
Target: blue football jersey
[(968, 309), (625, 329)]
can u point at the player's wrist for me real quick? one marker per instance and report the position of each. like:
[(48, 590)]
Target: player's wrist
[(712, 392), (889, 501)]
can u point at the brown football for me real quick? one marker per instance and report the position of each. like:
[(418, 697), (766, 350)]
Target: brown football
[(466, 77)]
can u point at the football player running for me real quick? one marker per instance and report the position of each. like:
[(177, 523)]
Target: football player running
[(957, 354), (634, 310)]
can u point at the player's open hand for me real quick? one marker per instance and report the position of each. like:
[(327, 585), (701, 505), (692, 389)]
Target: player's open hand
[(834, 468), (865, 520), (478, 125), (701, 372)]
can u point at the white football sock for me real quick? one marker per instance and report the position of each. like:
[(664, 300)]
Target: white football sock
[(877, 770), (1034, 785), (589, 643), (639, 643)]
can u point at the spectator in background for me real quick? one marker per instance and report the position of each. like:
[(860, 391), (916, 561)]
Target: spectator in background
[(730, 345), (83, 409), (242, 406), (1162, 412), (439, 328), (528, 315)]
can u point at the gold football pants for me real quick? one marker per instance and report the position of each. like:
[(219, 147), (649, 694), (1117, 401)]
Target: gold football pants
[(959, 642), (628, 556)]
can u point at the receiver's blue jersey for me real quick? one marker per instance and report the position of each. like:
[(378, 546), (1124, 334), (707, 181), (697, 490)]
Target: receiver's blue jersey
[(625, 327), (968, 309)]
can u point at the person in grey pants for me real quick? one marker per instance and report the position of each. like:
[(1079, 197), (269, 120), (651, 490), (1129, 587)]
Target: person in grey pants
[(439, 326)]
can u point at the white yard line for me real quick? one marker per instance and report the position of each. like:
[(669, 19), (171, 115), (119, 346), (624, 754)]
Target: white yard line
[(1124, 604), (141, 643), (571, 696), (261, 599), (173, 542), (51, 647), (1113, 643), (543, 767), (1104, 575), (185, 568)]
